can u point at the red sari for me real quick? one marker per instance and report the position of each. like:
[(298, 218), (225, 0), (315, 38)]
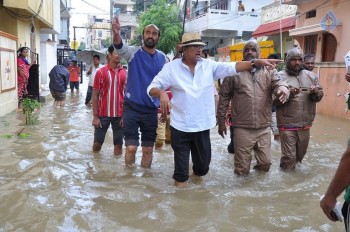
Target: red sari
[(22, 77)]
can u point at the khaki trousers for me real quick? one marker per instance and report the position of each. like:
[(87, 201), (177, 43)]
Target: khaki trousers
[(163, 131), (248, 140), (293, 145)]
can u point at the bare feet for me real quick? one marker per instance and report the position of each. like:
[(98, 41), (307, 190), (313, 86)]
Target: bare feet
[(180, 184), (196, 179)]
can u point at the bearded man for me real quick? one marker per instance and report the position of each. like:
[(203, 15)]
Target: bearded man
[(250, 94), (295, 117), (140, 111)]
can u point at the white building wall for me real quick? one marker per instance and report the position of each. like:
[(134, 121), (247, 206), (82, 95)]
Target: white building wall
[(9, 98), (47, 62), (230, 19)]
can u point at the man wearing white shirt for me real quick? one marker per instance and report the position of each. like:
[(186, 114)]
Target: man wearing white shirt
[(91, 74), (192, 111)]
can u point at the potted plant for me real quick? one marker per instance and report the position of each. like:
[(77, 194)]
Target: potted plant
[(30, 108)]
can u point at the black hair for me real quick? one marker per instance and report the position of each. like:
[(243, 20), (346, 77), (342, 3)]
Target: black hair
[(309, 56), (273, 56), (20, 50), (205, 53), (111, 49), (96, 56)]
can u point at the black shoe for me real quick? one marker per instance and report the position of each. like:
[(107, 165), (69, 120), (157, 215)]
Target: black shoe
[(231, 148)]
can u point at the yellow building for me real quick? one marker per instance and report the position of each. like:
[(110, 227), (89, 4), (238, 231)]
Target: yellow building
[(29, 23)]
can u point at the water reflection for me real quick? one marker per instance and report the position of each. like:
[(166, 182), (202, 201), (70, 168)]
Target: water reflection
[(51, 181)]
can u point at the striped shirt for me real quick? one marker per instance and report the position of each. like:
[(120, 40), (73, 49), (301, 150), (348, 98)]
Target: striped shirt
[(111, 84)]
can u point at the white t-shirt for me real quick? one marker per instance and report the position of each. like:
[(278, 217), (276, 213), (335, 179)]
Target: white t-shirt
[(93, 73)]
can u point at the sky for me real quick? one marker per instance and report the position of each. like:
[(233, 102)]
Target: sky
[(80, 11)]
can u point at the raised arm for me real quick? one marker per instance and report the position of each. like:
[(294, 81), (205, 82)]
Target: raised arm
[(116, 31), (248, 65)]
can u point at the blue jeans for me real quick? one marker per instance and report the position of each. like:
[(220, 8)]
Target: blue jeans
[(146, 122), (196, 143), (100, 133), (88, 95)]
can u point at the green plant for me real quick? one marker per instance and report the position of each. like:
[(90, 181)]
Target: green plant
[(30, 110)]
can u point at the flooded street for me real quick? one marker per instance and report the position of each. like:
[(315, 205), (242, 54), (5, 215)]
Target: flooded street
[(51, 181)]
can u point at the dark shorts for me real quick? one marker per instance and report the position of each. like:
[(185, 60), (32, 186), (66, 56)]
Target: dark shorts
[(100, 133), (146, 122), (58, 96), (195, 143), (74, 84)]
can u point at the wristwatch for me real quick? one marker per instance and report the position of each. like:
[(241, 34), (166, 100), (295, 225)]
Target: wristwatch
[(252, 62)]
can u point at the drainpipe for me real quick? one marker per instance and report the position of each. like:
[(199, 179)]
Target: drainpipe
[(281, 42)]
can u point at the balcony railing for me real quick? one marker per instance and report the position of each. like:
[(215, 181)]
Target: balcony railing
[(223, 20)]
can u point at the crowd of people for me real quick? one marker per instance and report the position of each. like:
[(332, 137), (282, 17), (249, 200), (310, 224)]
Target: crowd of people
[(157, 101)]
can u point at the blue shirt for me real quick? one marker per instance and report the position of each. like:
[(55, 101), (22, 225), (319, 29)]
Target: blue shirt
[(142, 68)]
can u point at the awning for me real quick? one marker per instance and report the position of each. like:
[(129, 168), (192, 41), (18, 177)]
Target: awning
[(306, 30), (274, 27)]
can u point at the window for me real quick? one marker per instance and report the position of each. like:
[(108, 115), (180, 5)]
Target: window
[(311, 14), (310, 44), (99, 34)]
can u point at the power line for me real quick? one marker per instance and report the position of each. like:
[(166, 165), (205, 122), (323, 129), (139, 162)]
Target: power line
[(94, 6)]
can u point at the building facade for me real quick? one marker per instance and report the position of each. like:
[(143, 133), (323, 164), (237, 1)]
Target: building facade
[(276, 21), (321, 29), (221, 23), (33, 24)]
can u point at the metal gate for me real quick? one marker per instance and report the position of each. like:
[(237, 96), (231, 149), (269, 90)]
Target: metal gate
[(63, 53)]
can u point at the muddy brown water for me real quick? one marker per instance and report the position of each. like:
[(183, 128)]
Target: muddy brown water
[(51, 181)]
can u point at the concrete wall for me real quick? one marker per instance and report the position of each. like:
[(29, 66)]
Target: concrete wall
[(8, 79), (335, 88), (47, 63)]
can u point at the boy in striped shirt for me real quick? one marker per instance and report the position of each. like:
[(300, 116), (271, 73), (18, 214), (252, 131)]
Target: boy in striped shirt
[(107, 102)]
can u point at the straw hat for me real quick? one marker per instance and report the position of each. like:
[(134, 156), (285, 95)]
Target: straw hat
[(191, 38)]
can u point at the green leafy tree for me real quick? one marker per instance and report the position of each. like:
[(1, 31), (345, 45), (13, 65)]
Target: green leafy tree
[(167, 17)]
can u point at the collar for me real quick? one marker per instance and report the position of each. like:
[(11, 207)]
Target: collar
[(110, 68)]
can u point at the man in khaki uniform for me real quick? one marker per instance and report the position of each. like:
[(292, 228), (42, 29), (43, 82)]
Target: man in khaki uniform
[(250, 94), (295, 117)]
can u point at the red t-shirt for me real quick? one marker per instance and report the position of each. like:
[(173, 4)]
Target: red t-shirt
[(111, 84), (74, 71)]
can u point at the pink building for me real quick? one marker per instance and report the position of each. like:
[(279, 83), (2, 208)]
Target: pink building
[(322, 28)]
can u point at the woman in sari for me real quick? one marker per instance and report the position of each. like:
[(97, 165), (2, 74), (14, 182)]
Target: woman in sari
[(22, 73)]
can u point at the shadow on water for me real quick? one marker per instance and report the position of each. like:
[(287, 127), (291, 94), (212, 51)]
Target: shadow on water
[(51, 181)]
